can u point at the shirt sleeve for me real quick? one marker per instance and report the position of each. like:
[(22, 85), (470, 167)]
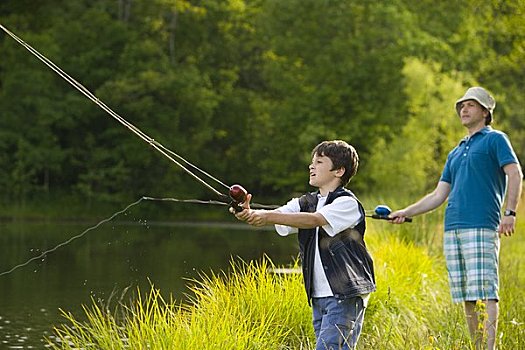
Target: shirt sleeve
[(504, 151), (341, 214), (291, 207), (446, 176)]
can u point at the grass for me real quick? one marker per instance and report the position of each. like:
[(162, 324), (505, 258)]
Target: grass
[(249, 307)]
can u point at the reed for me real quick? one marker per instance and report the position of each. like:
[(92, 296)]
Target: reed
[(251, 307)]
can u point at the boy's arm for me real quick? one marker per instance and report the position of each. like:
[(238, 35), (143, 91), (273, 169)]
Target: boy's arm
[(273, 217)]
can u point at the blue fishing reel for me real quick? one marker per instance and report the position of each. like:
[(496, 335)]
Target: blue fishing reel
[(382, 211)]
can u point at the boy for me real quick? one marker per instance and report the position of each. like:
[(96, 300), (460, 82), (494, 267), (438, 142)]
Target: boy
[(337, 268)]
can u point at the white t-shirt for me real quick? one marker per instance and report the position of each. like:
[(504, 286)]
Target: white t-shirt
[(341, 214)]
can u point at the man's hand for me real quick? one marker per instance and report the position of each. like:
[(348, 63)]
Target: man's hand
[(507, 225), (398, 216)]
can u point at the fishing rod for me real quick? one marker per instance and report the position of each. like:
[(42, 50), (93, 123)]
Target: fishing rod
[(172, 156), (236, 193)]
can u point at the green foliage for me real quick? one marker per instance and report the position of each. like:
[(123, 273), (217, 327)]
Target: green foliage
[(410, 163), (245, 89), (323, 78)]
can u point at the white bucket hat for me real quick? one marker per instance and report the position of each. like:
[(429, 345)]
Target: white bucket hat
[(480, 95)]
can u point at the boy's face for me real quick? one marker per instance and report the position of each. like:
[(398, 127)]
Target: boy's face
[(321, 174)]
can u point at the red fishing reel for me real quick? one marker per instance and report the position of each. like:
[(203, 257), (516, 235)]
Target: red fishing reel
[(237, 195)]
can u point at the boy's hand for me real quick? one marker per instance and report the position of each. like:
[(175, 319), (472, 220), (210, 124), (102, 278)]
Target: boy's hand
[(250, 216), (257, 218), (245, 213)]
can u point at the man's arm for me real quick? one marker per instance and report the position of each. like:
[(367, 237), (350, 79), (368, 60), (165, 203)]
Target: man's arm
[(429, 202), (514, 185)]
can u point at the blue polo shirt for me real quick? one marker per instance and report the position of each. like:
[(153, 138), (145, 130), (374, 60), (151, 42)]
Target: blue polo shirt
[(474, 170)]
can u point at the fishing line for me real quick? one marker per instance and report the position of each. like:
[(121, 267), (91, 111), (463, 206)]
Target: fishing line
[(80, 235), (155, 144), (213, 202), (380, 212)]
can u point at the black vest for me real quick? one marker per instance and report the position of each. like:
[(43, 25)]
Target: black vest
[(347, 264)]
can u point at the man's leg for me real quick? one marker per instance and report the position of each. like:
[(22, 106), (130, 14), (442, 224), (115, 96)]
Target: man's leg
[(480, 248), (473, 323), (487, 315), (492, 323)]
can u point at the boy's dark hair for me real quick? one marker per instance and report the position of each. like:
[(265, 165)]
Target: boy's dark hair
[(342, 155)]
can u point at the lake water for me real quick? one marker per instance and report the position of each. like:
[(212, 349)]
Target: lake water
[(105, 261)]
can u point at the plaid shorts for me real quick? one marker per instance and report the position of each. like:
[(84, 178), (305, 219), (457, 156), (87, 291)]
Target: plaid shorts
[(472, 261)]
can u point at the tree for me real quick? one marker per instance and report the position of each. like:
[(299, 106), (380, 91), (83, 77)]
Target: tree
[(412, 162)]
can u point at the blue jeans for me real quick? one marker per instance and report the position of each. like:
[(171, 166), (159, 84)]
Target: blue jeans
[(337, 323)]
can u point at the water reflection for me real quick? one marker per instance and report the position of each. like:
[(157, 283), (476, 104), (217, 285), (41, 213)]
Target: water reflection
[(105, 262)]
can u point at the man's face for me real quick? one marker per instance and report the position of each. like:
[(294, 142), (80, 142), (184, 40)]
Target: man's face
[(472, 114), (321, 173)]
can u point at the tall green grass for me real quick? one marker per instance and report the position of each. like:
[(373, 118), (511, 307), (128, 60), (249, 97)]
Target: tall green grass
[(251, 307), (512, 282), (248, 308)]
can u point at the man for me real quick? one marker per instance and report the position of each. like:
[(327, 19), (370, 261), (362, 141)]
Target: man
[(476, 176), (330, 222)]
